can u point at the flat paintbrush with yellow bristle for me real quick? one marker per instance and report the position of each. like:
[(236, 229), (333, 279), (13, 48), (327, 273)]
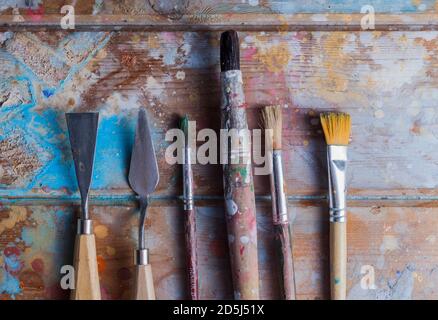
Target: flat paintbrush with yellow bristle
[(272, 120), (337, 128)]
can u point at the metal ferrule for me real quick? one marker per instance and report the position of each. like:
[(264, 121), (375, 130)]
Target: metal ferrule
[(188, 180), (279, 202), (337, 165), (141, 257), (85, 226)]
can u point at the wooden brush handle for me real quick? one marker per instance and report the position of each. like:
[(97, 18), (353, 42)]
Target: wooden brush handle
[(191, 253), (284, 240), (144, 285), (338, 260), (87, 285)]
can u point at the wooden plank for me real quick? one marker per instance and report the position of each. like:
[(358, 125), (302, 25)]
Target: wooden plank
[(240, 22), (398, 243), (385, 80), (185, 15)]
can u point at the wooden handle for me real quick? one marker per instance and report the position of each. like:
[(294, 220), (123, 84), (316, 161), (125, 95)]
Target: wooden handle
[(87, 285), (284, 239), (144, 286), (338, 260), (191, 253)]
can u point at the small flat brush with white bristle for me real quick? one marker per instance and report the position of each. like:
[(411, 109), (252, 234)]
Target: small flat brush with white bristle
[(272, 120)]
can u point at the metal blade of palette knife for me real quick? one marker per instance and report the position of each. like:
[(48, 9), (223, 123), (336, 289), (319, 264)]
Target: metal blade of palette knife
[(143, 172), (82, 128)]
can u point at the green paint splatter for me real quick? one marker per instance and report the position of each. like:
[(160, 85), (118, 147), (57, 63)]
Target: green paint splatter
[(242, 171), (337, 281)]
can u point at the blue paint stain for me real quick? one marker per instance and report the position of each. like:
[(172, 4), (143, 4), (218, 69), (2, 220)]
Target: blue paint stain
[(49, 92), (12, 263), (52, 235), (337, 281), (340, 6), (9, 285)]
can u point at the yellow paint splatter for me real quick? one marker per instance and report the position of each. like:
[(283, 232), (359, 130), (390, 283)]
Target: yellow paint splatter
[(335, 61), (101, 231), (283, 28), (274, 58), (135, 38), (417, 276), (16, 215), (110, 251), (153, 42)]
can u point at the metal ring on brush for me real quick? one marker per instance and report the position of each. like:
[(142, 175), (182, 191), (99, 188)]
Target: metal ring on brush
[(337, 165)]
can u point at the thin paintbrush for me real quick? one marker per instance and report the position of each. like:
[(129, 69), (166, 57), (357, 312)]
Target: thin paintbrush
[(190, 215), (337, 127), (238, 179), (272, 122)]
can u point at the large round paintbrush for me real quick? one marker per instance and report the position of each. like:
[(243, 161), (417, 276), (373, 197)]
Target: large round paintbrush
[(337, 127), (237, 171), (272, 122)]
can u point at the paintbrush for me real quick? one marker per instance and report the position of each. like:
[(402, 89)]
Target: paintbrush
[(272, 122), (237, 173), (337, 127), (190, 214)]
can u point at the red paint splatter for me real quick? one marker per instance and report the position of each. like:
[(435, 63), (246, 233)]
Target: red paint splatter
[(242, 250), (249, 53), (9, 251), (38, 265), (35, 14), (101, 264), (124, 274)]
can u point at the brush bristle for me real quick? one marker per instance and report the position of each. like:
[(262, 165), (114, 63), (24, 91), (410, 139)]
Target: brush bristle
[(184, 124), (337, 128), (230, 51), (272, 119)]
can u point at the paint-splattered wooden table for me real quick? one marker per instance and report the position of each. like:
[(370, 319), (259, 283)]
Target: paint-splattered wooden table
[(164, 56)]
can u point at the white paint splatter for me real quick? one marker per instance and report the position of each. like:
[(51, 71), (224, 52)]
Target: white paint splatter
[(389, 243), (253, 3), (244, 239), (180, 75), (431, 238), (379, 114), (231, 207), (153, 87), (97, 7)]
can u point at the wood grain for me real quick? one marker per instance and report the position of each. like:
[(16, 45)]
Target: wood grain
[(208, 15), (87, 285), (397, 244), (144, 283), (338, 260), (385, 80)]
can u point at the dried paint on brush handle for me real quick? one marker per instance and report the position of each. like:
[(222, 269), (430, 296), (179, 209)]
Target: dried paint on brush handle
[(338, 260), (283, 238), (239, 191), (191, 253)]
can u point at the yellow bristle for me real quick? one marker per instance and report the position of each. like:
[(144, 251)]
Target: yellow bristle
[(272, 119), (337, 128)]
